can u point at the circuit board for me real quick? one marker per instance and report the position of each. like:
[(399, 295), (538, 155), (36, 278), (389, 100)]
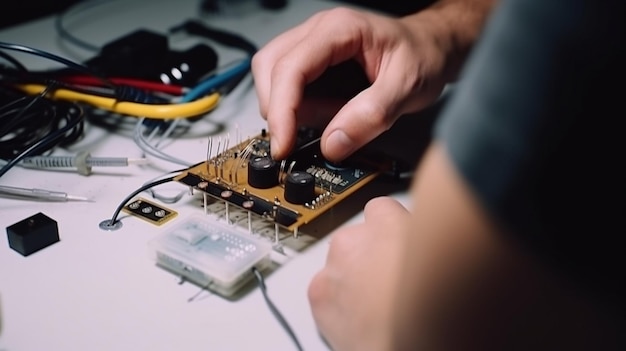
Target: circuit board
[(149, 211), (290, 192)]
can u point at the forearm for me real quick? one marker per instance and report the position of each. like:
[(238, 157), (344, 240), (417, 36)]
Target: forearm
[(448, 259), (468, 285), (454, 26)]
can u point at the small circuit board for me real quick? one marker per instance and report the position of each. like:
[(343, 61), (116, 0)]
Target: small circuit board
[(150, 211), (290, 192)]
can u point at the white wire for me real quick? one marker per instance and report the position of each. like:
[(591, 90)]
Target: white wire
[(165, 199), (145, 146)]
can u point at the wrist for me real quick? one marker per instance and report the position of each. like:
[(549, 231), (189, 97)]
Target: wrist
[(453, 26)]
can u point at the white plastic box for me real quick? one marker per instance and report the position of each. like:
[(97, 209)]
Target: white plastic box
[(211, 254)]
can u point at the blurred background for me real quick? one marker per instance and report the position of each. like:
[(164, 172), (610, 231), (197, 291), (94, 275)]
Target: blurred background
[(27, 10)]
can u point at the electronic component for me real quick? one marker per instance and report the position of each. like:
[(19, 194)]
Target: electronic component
[(291, 192), (262, 172), (150, 211), (145, 54), (33, 234), (210, 254), (299, 187)]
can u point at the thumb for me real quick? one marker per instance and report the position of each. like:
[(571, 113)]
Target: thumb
[(385, 210), (360, 120)]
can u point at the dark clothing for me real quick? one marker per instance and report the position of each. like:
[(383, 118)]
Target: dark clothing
[(398, 8), (534, 127)]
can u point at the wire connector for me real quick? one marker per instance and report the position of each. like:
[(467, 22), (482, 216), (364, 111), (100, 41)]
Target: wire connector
[(81, 163)]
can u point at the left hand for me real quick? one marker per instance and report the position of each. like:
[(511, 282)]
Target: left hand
[(352, 296)]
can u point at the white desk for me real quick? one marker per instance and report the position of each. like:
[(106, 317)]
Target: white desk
[(99, 290)]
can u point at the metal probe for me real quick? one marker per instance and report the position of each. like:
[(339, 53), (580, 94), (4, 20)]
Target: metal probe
[(41, 194)]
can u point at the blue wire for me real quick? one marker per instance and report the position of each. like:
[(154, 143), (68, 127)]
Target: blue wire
[(216, 81)]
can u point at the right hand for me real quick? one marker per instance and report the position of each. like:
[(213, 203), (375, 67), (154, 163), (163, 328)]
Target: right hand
[(352, 297), (402, 58)]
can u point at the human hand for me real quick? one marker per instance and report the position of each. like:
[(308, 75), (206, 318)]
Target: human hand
[(351, 297), (404, 59)]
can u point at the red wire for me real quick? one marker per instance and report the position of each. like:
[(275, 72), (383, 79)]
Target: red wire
[(137, 83)]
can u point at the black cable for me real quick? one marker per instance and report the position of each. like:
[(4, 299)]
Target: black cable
[(69, 63), (38, 146), (147, 186), (22, 124), (175, 198), (283, 322), (223, 37), (29, 133), (13, 61), (26, 119)]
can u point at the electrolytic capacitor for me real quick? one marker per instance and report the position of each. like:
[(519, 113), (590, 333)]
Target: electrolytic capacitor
[(299, 187), (262, 172)]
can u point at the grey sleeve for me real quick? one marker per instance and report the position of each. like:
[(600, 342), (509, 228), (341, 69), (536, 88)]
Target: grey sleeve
[(533, 129)]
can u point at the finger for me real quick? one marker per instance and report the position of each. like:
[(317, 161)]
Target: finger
[(383, 210), (264, 60), (322, 47), (380, 212), (322, 287), (370, 112), (345, 242), (321, 293), (358, 122)]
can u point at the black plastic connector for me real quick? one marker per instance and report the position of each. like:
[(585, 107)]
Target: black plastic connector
[(145, 54), (33, 234)]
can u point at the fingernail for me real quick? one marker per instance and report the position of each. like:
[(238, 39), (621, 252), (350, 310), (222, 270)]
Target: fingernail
[(339, 145), (274, 147)]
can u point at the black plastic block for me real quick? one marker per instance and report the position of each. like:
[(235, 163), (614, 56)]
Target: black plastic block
[(33, 234)]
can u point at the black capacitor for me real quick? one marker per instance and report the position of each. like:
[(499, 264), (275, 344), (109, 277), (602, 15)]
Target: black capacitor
[(299, 187), (262, 172)]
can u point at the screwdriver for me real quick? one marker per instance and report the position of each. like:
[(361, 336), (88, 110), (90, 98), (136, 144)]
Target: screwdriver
[(40, 194)]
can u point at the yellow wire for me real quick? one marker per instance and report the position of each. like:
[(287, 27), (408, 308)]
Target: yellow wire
[(156, 111)]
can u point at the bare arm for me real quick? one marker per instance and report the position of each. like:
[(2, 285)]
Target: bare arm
[(466, 285), (455, 25)]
